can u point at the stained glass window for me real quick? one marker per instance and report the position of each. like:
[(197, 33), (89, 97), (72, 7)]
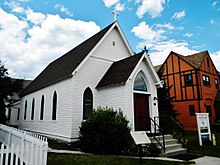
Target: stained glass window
[(139, 83)]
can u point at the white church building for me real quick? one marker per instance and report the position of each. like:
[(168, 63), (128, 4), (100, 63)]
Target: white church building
[(101, 71)]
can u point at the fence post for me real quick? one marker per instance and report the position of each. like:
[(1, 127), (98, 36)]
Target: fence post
[(16, 153), (2, 154), (45, 150), (9, 137), (22, 148), (12, 154)]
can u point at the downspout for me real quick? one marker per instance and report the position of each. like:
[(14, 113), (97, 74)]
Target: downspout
[(198, 91)]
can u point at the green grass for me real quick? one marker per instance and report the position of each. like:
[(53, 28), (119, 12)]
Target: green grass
[(193, 145), (87, 159), (69, 159)]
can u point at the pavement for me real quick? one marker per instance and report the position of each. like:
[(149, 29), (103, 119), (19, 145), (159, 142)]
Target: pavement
[(205, 160)]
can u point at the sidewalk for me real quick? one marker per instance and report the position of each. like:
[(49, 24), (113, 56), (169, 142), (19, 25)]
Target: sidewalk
[(205, 160)]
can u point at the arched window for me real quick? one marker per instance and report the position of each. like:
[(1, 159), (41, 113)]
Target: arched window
[(139, 83), (54, 111), (87, 103), (32, 111), (42, 108), (25, 110), (18, 114)]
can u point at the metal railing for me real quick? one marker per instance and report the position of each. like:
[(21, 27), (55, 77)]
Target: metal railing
[(171, 126), (157, 131)]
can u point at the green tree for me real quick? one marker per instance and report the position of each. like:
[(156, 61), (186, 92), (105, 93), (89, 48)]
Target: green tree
[(105, 132), (8, 87), (164, 100)]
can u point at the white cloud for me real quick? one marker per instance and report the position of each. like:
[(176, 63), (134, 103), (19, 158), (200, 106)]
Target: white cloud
[(153, 33), (179, 15), (15, 6), (167, 26), (109, 3), (151, 7), (34, 17), (212, 21), (63, 9), (155, 39), (26, 50), (147, 33), (189, 35), (214, 4), (120, 7), (216, 59), (162, 49)]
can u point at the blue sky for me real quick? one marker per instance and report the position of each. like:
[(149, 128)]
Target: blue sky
[(35, 32)]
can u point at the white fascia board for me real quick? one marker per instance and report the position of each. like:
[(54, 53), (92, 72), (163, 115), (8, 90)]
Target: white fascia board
[(124, 38), (154, 73), (157, 81)]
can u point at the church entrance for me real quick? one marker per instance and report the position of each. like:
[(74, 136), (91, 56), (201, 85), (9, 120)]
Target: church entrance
[(141, 112)]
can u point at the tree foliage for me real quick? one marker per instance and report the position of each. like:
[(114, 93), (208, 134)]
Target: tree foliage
[(8, 87), (165, 105), (105, 132)]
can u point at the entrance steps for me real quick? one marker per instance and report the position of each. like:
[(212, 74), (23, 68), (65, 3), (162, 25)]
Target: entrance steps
[(172, 147)]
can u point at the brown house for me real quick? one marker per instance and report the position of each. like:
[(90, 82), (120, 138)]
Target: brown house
[(195, 86)]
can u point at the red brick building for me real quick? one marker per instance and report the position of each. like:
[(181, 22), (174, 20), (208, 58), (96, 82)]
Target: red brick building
[(195, 86)]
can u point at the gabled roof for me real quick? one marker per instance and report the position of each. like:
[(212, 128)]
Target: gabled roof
[(157, 67), (195, 59), (119, 71), (64, 66)]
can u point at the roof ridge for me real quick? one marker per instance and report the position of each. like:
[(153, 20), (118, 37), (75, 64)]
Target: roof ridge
[(63, 66)]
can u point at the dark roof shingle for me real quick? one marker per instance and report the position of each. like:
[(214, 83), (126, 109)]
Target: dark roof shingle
[(63, 67), (119, 71), (195, 59)]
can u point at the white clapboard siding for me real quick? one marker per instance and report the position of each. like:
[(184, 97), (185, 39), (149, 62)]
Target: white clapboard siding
[(112, 48), (62, 126), (20, 146)]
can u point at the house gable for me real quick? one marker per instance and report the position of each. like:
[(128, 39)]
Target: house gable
[(113, 46), (207, 64)]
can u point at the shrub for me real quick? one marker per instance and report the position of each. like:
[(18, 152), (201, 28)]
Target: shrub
[(105, 131)]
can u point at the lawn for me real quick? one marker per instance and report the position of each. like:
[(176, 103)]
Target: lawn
[(193, 145), (69, 159)]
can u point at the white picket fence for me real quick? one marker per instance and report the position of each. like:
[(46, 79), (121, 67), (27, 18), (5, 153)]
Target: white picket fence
[(20, 147)]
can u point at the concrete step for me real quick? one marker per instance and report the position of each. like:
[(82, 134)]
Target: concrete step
[(172, 147), (174, 152), (160, 138), (167, 141)]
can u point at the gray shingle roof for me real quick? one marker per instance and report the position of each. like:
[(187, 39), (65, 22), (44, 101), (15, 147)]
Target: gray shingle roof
[(63, 67), (119, 71)]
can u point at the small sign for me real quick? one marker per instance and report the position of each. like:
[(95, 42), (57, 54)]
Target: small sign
[(203, 127), (140, 137)]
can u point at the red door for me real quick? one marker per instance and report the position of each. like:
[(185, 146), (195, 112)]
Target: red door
[(141, 112)]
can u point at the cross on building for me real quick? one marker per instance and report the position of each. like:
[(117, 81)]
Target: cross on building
[(115, 14)]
